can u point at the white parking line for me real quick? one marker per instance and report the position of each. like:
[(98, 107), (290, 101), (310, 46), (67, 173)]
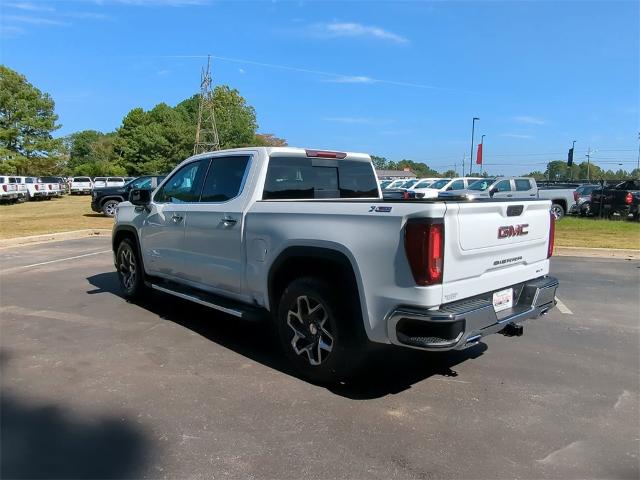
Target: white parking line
[(562, 307), (63, 259)]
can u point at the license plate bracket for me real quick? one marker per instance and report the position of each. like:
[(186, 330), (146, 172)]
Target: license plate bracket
[(503, 300)]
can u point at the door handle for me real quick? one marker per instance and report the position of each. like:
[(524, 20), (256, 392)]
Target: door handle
[(177, 218), (228, 221), (509, 195)]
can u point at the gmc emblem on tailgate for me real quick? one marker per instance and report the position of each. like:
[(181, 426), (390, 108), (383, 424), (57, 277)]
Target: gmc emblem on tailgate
[(513, 230)]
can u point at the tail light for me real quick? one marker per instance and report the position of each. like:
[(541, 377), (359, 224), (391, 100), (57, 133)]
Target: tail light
[(575, 196), (552, 234), (37, 187), (405, 195), (50, 187), (324, 154), (629, 198), (424, 246), (5, 188)]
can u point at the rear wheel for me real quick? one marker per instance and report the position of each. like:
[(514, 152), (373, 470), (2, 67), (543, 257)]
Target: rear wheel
[(319, 332), (557, 211), (130, 272), (109, 208)]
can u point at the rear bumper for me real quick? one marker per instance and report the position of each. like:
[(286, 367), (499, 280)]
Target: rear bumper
[(461, 324)]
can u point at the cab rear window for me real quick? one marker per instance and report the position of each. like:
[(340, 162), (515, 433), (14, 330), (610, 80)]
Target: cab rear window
[(301, 178)]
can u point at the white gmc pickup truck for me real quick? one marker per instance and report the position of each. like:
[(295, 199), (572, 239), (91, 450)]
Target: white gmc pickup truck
[(304, 238)]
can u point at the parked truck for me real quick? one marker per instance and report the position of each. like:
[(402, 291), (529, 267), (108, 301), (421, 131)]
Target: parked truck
[(304, 239), (623, 199), (562, 199)]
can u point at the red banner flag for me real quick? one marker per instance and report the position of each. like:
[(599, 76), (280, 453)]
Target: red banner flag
[(479, 156)]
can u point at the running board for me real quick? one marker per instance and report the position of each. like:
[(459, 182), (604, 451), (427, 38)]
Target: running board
[(210, 300)]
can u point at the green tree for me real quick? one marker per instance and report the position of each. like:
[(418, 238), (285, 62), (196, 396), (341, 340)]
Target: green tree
[(27, 120), (379, 163), (268, 140), (419, 168), (153, 141), (537, 175), (450, 174), (235, 118)]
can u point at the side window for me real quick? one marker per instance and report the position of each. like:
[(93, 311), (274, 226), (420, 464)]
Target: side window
[(503, 186), (185, 185), (224, 179), (522, 185), (457, 185), (142, 182)]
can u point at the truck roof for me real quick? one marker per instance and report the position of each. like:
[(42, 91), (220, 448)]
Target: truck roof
[(288, 152)]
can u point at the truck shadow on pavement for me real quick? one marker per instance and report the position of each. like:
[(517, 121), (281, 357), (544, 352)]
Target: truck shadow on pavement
[(391, 369), (48, 441)]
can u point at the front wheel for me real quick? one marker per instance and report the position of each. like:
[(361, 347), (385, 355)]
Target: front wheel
[(109, 208), (130, 272), (557, 211), (318, 331)]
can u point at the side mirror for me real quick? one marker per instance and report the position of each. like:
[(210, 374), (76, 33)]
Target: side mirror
[(140, 197), (492, 192)]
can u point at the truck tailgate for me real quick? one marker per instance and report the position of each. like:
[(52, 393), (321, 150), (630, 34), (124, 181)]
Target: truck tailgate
[(491, 245)]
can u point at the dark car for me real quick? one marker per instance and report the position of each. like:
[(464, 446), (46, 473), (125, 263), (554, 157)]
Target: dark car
[(582, 196), (623, 199), (398, 194), (105, 200)]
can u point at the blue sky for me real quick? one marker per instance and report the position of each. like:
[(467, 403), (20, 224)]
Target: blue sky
[(399, 79)]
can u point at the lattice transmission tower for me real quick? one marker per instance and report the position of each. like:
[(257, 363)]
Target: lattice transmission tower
[(206, 131)]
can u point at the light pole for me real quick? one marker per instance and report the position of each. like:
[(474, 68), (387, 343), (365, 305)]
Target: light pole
[(473, 129), (588, 155), (573, 146)]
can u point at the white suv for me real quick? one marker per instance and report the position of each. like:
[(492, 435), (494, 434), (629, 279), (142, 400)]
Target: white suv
[(81, 185), (446, 185)]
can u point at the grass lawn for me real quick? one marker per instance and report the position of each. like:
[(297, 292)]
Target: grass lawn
[(74, 213), (592, 233), (50, 216)]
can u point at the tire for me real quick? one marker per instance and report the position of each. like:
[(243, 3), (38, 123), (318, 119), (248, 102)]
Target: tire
[(320, 331), (557, 211), (109, 208), (130, 270), (585, 209)]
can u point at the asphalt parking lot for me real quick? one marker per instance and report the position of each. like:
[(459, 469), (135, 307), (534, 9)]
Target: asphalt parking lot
[(93, 386)]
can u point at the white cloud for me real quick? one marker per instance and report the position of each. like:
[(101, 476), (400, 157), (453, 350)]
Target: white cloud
[(157, 3), (352, 79), (11, 31), (28, 6), (352, 29), (516, 135), (86, 15), (529, 120), (33, 20), (241, 71)]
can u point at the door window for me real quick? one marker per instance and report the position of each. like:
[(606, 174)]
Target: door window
[(225, 178), (522, 185), (457, 185), (503, 186), (184, 186)]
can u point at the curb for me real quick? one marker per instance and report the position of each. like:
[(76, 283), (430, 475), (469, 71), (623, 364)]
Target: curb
[(54, 237), (628, 254)]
